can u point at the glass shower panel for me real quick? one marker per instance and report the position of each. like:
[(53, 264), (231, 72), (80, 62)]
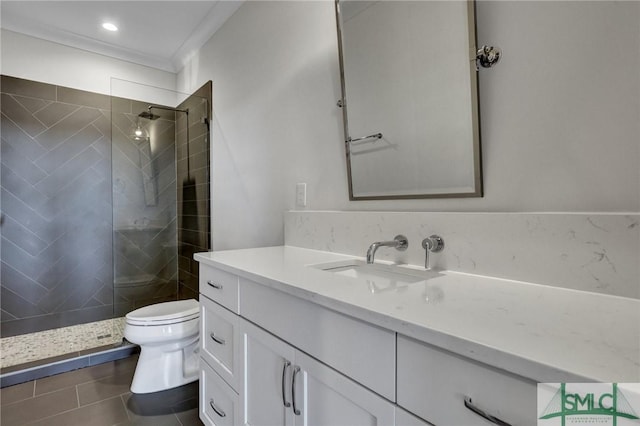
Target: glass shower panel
[(194, 224), (146, 138)]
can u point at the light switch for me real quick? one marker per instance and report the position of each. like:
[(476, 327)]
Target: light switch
[(301, 194)]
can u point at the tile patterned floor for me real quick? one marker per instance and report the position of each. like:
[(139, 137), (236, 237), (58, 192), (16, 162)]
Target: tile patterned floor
[(97, 396), (50, 343)]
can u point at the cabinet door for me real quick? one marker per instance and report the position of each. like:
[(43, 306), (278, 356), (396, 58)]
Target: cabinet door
[(266, 397), (326, 397)]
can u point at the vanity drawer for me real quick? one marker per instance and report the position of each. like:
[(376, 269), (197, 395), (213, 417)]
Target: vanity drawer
[(433, 384), (364, 352), (221, 341), (219, 404), (219, 286)]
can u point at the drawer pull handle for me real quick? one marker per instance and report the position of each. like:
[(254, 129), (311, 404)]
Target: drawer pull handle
[(214, 285), (469, 404), (287, 364), (217, 339), (218, 411), (296, 370)]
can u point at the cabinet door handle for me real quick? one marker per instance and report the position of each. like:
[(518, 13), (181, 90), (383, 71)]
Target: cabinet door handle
[(296, 370), (218, 411), (217, 339), (214, 285), (287, 364), (469, 404)]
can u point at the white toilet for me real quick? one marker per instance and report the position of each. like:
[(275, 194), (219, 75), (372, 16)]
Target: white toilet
[(168, 337)]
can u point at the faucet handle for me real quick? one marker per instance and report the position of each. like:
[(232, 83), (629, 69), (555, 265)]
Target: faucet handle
[(434, 244)]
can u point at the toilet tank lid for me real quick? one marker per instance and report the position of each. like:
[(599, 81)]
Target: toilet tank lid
[(166, 311)]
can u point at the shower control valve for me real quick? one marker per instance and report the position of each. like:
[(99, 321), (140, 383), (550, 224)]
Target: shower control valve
[(433, 244)]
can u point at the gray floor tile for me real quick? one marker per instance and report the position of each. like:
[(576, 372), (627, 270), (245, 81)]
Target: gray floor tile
[(34, 409), (105, 400), (170, 407), (163, 403), (188, 412), (85, 375), (163, 420), (105, 388), (16, 393), (103, 413), (190, 418)]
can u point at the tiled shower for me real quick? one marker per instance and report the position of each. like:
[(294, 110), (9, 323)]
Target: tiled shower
[(94, 222)]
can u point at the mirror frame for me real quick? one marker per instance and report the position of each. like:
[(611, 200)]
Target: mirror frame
[(475, 109)]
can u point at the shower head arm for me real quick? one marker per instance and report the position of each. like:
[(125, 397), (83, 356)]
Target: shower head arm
[(186, 111)]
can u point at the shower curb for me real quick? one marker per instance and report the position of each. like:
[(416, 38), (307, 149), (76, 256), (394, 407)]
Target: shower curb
[(49, 369)]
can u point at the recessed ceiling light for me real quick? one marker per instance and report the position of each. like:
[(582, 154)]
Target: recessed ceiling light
[(109, 26)]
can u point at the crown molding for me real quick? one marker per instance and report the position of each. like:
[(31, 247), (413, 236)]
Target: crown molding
[(210, 23)]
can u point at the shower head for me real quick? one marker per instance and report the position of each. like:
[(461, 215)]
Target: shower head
[(148, 115)]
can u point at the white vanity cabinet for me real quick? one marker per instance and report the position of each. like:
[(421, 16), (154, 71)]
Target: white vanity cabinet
[(285, 386), (249, 376), (272, 358), (267, 392)]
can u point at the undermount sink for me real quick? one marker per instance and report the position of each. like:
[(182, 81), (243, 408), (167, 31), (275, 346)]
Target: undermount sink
[(379, 277)]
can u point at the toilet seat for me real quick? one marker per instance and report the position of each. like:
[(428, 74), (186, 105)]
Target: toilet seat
[(164, 313)]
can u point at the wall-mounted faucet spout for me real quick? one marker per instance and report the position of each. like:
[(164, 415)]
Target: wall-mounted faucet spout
[(400, 242)]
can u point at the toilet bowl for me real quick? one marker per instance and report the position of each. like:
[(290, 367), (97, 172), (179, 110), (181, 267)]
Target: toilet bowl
[(168, 337)]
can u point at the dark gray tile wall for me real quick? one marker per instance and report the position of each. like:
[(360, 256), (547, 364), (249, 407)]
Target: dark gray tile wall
[(90, 221), (56, 207), (194, 224)]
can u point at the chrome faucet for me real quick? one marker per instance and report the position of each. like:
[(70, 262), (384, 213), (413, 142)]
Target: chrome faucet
[(400, 242)]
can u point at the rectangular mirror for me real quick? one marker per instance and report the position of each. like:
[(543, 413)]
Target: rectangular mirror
[(409, 98)]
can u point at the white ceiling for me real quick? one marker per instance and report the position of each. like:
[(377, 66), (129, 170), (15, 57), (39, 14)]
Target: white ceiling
[(159, 34)]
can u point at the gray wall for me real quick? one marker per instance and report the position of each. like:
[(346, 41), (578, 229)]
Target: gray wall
[(56, 206), (559, 114)]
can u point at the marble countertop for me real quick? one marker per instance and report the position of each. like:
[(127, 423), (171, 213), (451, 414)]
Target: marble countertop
[(544, 333)]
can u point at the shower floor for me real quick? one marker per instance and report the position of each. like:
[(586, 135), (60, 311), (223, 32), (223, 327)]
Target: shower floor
[(31, 347)]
